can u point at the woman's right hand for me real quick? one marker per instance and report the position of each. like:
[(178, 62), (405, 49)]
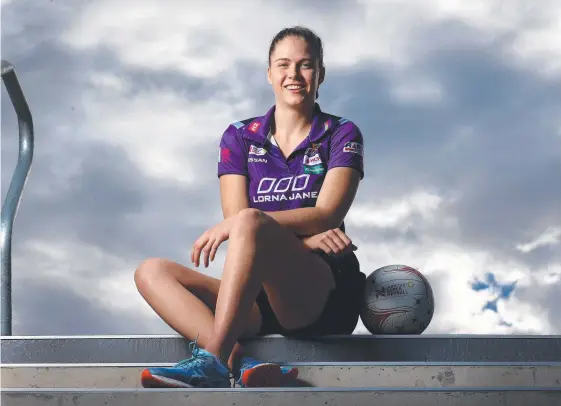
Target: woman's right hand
[(332, 242)]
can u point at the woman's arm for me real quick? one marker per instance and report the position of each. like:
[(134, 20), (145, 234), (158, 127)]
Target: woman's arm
[(233, 173), (334, 201), (344, 172), (345, 169), (233, 194)]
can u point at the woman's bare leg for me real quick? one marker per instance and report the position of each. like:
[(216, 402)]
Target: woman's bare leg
[(185, 299), (263, 253)]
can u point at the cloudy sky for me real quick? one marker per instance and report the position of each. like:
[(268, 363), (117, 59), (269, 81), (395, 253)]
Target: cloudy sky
[(459, 102)]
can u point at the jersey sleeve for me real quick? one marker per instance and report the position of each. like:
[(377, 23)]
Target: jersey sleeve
[(347, 148), (232, 155)]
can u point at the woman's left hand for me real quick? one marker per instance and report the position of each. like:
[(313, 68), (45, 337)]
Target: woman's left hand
[(209, 242)]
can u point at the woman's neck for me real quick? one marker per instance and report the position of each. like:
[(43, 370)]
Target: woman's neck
[(291, 124)]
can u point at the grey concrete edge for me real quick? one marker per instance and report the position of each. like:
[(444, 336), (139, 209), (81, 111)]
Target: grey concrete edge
[(519, 364), (276, 336), (287, 390)]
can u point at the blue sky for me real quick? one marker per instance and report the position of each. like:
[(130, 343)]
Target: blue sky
[(459, 102)]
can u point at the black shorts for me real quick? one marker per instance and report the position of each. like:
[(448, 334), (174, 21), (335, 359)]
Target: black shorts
[(341, 312)]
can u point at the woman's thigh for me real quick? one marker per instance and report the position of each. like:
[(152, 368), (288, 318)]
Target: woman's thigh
[(340, 314), (298, 282), (203, 286)]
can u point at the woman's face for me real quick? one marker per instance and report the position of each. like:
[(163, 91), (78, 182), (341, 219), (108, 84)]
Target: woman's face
[(294, 72)]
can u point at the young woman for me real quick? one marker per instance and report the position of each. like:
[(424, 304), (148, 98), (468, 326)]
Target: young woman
[(287, 180)]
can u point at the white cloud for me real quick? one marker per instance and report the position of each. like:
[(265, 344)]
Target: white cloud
[(548, 275), (391, 213), (187, 38), (89, 272), (485, 15), (418, 91), (541, 46), (451, 269), (170, 35), (166, 132), (448, 266), (551, 236), (535, 27), (97, 276), (108, 82), (206, 39), (162, 131)]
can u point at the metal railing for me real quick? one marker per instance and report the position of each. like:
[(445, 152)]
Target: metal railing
[(17, 184)]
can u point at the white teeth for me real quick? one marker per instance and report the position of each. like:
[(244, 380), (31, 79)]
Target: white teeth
[(294, 87)]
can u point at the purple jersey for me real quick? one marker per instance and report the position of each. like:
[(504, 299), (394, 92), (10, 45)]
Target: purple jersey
[(277, 183)]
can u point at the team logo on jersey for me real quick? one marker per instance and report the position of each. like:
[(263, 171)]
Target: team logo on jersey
[(253, 150), (253, 127), (312, 161), (314, 149), (353, 147)]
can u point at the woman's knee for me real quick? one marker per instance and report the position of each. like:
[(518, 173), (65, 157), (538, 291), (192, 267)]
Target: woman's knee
[(149, 271), (249, 222), (154, 270)]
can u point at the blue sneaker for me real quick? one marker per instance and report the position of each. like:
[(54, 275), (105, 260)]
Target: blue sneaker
[(202, 370), (258, 374)]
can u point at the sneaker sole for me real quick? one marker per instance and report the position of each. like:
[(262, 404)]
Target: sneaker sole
[(263, 376), (155, 381), (291, 375)]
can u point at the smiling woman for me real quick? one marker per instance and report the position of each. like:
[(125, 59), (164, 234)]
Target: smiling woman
[(287, 181), (279, 57)]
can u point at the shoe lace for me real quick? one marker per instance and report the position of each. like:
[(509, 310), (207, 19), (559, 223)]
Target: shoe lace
[(196, 359)]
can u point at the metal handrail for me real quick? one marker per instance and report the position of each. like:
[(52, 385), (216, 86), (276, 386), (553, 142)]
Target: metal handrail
[(17, 184)]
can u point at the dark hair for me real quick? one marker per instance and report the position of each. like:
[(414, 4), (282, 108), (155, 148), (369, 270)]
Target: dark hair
[(307, 35)]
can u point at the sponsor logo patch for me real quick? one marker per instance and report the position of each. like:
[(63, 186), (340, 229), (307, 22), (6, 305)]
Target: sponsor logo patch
[(312, 160), (253, 127), (289, 188), (253, 150), (314, 169), (224, 155), (257, 160), (353, 147)]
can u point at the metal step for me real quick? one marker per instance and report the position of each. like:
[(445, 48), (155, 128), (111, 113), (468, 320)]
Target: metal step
[(352, 348), (285, 397), (347, 375)]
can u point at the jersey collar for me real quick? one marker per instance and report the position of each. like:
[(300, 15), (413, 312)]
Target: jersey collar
[(259, 128)]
